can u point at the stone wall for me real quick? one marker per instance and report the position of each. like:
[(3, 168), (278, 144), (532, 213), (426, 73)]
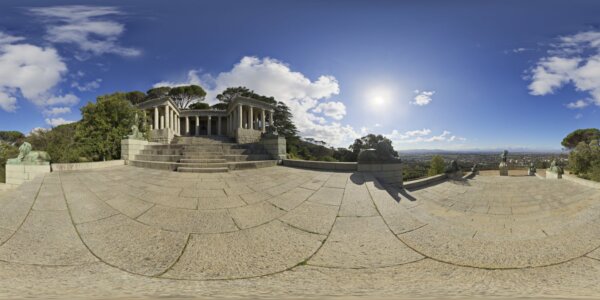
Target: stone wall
[(19, 173), (423, 182), (247, 136), (321, 165), (275, 146), (86, 166), (131, 147), (161, 136), (390, 173)]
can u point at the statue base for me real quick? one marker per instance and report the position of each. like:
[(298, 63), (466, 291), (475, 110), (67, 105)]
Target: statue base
[(503, 169), (531, 173), (553, 175)]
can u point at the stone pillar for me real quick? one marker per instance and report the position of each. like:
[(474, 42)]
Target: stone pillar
[(156, 117), (162, 122), (187, 125), (262, 121), (240, 116), (208, 125), (167, 116), (219, 125), (251, 118), (197, 126)]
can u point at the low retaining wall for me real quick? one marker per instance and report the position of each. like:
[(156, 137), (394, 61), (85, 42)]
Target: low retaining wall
[(390, 173), (419, 183), (588, 183), (19, 173), (86, 166), (321, 165)]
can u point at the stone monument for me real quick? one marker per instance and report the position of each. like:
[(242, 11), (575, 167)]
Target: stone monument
[(135, 131), (134, 143), (555, 171), (503, 165), (27, 165), (532, 170), (383, 162)]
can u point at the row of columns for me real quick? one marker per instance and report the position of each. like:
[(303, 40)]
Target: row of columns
[(169, 119), (236, 119), (208, 127)]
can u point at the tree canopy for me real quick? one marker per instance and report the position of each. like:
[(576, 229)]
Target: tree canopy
[(199, 105), (369, 141), (580, 135), (104, 124), (136, 97), (230, 93), (437, 166), (158, 92), (11, 137), (183, 96)]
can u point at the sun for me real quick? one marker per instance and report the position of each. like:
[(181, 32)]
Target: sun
[(378, 101), (378, 98)]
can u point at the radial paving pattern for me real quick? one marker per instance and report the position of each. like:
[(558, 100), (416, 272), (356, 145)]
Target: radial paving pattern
[(278, 224)]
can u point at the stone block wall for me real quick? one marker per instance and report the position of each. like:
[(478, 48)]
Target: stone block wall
[(390, 173), (130, 148), (275, 146), (19, 173), (87, 165), (247, 136), (162, 136), (321, 165)]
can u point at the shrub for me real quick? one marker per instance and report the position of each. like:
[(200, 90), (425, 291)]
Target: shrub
[(437, 166)]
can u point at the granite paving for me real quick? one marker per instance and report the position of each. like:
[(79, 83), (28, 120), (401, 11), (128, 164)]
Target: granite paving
[(279, 231)]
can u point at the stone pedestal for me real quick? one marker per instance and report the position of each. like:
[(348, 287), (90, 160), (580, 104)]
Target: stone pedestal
[(275, 145), (553, 175), (19, 173), (503, 169), (131, 147), (390, 173), (531, 173)]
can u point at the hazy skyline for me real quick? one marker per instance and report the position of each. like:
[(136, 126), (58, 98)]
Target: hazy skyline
[(427, 74)]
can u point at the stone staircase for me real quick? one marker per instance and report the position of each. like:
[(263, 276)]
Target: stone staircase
[(203, 155)]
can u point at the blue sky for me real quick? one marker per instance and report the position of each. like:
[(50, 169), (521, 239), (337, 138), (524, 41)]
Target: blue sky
[(427, 74)]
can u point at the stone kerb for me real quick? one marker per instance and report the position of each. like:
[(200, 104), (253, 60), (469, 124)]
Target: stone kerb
[(588, 183), (419, 183), (321, 165), (275, 146), (86, 166)]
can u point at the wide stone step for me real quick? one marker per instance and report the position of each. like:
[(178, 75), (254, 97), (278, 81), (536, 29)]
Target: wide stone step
[(151, 157), (202, 170), (249, 157), (202, 160)]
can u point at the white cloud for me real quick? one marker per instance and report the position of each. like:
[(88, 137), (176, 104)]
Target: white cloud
[(57, 122), (68, 99), (87, 86), (57, 111), (27, 70), (335, 110), (305, 98), (9, 39), (574, 59), (578, 104), (272, 77), (578, 116), (422, 98), (85, 26)]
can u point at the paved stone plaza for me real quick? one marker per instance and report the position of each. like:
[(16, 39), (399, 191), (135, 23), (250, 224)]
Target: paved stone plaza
[(126, 231)]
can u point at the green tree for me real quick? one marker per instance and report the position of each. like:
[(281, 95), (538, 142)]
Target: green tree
[(158, 92), (199, 105), (220, 106), (6, 151), (104, 124), (437, 166), (12, 137), (136, 97), (38, 138), (580, 135), (230, 93), (284, 125), (183, 96)]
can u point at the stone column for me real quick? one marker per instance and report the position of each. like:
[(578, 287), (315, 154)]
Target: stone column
[(162, 122), (187, 125), (262, 121), (197, 126), (156, 117), (251, 118), (208, 125), (240, 116), (167, 117), (219, 125)]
